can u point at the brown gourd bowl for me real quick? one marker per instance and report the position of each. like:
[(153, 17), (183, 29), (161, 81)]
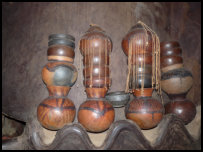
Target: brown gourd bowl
[(96, 71)]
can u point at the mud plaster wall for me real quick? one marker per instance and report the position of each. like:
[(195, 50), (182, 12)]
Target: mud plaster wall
[(25, 31)]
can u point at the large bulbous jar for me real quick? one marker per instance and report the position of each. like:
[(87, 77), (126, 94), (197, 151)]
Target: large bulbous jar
[(144, 110)]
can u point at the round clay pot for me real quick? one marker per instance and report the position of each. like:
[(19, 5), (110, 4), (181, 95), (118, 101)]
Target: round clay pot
[(88, 60), (176, 81), (145, 111), (54, 113), (96, 71), (142, 78), (59, 74), (138, 33), (169, 45), (97, 82), (170, 60), (171, 52), (96, 115), (184, 109)]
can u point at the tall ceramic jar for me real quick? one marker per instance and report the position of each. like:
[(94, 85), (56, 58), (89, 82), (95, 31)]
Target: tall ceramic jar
[(140, 45), (96, 114), (59, 75), (176, 81)]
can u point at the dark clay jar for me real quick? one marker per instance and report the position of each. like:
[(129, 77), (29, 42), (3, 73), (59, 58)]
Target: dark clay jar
[(139, 31), (96, 115), (61, 47), (145, 111), (145, 59)]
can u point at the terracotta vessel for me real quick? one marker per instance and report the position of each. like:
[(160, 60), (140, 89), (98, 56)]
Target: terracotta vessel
[(145, 111), (59, 75), (169, 45), (96, 115)]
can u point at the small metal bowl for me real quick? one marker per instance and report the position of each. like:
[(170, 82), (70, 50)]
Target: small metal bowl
[(118, 99)]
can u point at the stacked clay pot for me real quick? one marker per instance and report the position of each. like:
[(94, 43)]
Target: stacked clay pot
[(176, 81), (59, 75), (96, 114), (145, 111), (143, 56)]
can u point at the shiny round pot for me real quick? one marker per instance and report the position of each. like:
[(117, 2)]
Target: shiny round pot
[(145, 111), (118, 98), (96, 115), (184, 109), (145, 79), (54, 113)]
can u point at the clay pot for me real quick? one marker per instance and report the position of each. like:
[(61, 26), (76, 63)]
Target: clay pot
[(96, 115), (54, 113), (184, 109), (145, 111), (59, 74), (88, 60), (96, 71), (61, 47), (176, 81), (138, 32), (97, 82), (95, 41), (147, 78), (171, 52), (169, 45)]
